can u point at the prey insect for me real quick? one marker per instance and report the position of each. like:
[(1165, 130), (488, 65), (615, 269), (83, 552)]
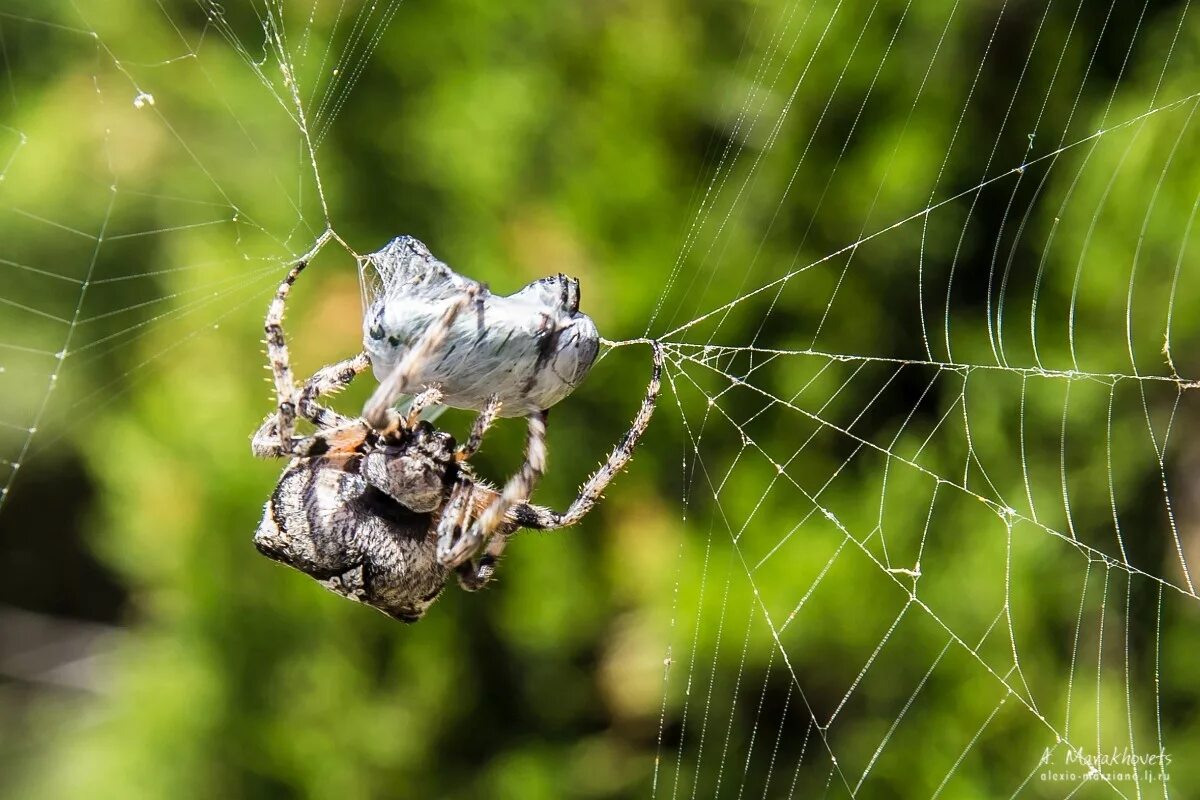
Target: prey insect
[(383, 508), (529, 349)]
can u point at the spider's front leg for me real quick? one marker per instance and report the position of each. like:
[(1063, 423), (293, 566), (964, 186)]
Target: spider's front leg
[(326, 381), (265, 441), (430, 397), (398, 381), (472, 575), (275, 437), (479, 429), (516, 490), (277, 355), (456, 515), (527, 515)]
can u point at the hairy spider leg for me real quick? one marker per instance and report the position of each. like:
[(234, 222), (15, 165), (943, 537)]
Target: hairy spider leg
[(397, 381), (482, 422), (527, 515), (455, 513), (275, 437), (430, 397), (516, 490), (277, 353), (474, 576), (327, 380)]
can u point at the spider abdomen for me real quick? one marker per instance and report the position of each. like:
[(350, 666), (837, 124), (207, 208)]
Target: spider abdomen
[(326, 521)]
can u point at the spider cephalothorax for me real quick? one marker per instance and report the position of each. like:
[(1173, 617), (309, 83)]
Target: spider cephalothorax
[(382, 508)]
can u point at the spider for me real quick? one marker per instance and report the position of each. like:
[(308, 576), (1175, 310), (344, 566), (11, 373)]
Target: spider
[(382, 509)]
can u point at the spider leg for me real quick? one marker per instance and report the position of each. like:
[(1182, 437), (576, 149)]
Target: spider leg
[(397, 381), (347, 438), (277, 354), (473, 576), (537, 518), (527, 515), (516, 490), (325, 381), (430, 397), (482, 423), (266, 442), (455, 515)]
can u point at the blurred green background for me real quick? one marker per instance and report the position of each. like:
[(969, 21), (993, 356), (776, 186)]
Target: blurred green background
[(931, 532)]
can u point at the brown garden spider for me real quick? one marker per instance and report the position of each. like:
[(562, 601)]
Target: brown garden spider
[(383, 513)]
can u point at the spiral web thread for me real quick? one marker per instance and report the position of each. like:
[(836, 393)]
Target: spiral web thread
[(836, 466)]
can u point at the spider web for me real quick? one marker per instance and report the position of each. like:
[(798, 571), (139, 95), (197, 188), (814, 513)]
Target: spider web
[(1024, 412), (938, 545)]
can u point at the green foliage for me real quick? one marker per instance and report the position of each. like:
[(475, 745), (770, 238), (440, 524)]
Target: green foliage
[(520, 139)]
